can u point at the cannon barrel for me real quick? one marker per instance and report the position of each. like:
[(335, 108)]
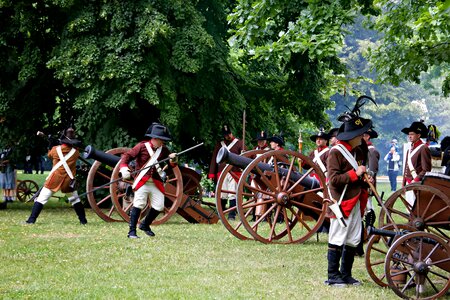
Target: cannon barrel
[(242, 162), (105, 158), (390, 233)]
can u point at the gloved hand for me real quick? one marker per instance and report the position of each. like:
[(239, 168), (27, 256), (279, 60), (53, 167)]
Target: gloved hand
[(125, 173), (370, 218)]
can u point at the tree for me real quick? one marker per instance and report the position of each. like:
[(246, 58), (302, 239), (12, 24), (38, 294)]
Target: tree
[(415, 38)]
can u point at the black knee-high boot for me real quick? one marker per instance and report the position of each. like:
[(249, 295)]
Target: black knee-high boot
[(232, 214), (334, 257), (35, 211), (149, 218), (348, 257), (360, 248), (79, 209), (134, 218)]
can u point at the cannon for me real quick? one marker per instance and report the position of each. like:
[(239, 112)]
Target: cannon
[(276, 203), (410, 253), (112, 202)]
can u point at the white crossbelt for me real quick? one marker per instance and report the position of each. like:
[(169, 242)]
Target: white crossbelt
[(410, 164), (63, 162), (230, 145), (319, 161), (153, 157), (348, 156)]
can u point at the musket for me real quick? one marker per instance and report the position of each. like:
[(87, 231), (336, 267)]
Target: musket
[(243, 131), (137, 171)]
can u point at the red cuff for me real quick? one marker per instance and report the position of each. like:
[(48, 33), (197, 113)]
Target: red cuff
[(123, 165), (417, 179), (353, 176), (211, 176)]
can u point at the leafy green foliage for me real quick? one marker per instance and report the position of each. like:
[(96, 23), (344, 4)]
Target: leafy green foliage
[(415, 38)]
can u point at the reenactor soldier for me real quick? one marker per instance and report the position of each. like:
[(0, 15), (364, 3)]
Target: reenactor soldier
[(332, 135), (261, 140), (345, 166), (150, 181), (236, 146), (276, 142), (61, 177), (418, 157), (320, 154)]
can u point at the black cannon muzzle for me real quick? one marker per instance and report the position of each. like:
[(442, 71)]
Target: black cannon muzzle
[(105, 158), (225, 156)]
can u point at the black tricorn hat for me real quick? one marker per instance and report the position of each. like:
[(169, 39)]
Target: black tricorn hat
[(158, 131), (372, 133), (353, 128), (226, 130), (322, 134), (261, 136), (277, 139), (333, 132), (417, 127)]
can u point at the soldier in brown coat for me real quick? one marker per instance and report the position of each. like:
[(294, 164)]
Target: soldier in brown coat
[(61, 177), (345, 166), (320, 154), (236, 146), (418, 157)]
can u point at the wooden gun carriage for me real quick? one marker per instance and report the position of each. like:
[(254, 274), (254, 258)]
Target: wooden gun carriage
[(276, 203), (112, 202)]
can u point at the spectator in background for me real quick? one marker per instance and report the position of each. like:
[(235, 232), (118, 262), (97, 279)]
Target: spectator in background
[(393, 164), (7, 177)]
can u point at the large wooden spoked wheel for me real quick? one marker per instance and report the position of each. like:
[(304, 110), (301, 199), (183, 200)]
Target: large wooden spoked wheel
[(26, 189), (430, 211), (100, 200), (376, 250), (417, 266), (123, 200), (234, 227), (288, 212)]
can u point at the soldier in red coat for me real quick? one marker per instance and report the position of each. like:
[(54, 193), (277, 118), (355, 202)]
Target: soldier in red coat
[(345, 167), (236, 146), (61, 177), (150, 181)]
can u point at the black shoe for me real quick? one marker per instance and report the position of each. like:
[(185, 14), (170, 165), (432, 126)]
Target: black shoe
[(351, 281), (147, 230), (132, 235), (336, 282)]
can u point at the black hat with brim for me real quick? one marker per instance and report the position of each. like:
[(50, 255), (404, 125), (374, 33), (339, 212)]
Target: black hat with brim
[(159, 131), (417, 127), (321, 135), (333, 132), (372, 133), (226, 130), (261, 136), (277, 139), (353, 128)]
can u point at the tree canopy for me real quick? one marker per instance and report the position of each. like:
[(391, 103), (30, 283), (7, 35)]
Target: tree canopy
[(110, 68)]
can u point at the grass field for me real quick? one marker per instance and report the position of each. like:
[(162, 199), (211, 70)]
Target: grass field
[(59, 259)]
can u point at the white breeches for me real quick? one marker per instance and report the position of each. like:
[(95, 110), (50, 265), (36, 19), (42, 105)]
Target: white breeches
[(45, 194), (229, 184), (350, 235), (149, 189)]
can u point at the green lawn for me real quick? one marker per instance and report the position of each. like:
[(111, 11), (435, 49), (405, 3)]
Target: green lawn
[(59, 259)]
